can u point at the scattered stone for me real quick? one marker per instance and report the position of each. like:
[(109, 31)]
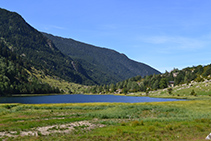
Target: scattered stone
[(28, 133), (46, 130), (13, 132), (206, 81), (208, 137)]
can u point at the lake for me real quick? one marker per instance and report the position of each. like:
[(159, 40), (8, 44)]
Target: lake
[(80, 98)]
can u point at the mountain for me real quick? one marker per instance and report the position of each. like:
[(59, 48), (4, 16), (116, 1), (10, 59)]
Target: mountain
[(182, 79), (15, 75), (105, 64), (67, 59), (25, 41)]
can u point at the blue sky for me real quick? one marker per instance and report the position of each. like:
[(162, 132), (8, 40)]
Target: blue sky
[(164, 34)]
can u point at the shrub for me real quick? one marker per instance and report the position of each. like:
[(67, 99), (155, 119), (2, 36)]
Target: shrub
[(123, 124), (193, 93), (169, 127), (200, 128), (142, 122), (151, 128), (170, 90), (135, 123)]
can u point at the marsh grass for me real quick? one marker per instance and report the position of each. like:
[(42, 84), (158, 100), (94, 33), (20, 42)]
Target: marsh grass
[(180, 120), (62, 84)]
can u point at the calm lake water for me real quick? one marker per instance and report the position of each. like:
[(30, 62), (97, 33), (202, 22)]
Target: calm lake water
[(80, 98)]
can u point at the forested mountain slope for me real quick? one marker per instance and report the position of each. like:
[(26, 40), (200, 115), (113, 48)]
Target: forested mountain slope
[(29, 43), (15, 76), (148, 83), (101, 60), (70, 60)]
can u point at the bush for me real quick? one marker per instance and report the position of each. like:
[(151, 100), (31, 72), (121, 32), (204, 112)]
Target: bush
[(123, 124), (170, 90), (193, 93), (151, 128), (135, 123), (169, 127)]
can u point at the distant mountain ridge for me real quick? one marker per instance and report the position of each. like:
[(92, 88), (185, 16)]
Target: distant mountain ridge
[(29, 43), (108, 61), (65, 58)]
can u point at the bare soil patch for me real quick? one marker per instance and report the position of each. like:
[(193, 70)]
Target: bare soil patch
[(46, 130)]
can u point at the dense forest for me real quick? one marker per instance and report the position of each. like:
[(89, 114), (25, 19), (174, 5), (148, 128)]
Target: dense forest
[(154, 82), (29, 43), (15, 77)]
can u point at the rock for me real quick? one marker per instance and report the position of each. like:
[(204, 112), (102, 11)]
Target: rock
[(208, 137), (206, 81)]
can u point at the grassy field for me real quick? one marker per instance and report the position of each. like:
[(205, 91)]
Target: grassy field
[(179, 120), (202, 91), (66, 87)]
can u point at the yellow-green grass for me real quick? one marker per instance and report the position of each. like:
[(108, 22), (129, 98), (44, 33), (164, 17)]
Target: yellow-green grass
[(64, 85), (202, 91), (179, 120), (54, 81)]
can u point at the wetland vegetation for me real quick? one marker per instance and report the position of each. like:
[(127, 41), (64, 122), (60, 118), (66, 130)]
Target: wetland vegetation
[(179, 120)]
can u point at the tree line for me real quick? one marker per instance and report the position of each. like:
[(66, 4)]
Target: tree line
[(155, 81)]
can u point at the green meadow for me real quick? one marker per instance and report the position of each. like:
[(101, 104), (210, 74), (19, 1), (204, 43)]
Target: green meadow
[(153, 121), (181, 120)]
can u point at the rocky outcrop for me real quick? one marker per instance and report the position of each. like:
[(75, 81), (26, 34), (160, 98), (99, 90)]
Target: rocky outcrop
[(208, 137)]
